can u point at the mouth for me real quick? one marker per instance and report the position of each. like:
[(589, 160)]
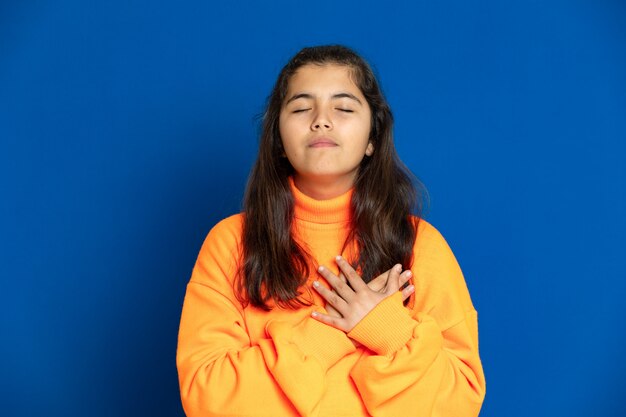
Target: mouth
[(322, 143)]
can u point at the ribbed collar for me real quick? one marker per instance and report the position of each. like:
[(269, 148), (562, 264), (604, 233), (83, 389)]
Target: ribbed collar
[(335, 210)]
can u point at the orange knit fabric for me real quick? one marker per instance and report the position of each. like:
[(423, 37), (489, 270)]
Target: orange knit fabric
[(417, 361)]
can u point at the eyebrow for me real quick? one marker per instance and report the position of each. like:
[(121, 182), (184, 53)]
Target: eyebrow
[(335, 96)]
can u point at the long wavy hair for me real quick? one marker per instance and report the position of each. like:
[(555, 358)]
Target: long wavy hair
[(385, 195)]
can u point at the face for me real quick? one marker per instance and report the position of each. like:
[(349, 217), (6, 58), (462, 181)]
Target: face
[(325, 125)]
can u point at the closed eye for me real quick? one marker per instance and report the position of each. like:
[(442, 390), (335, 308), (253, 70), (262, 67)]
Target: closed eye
[(300, 110), (346, 110)]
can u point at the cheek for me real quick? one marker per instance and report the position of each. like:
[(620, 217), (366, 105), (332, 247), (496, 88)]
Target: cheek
[(283, 131), (288, 131), (362, 132)]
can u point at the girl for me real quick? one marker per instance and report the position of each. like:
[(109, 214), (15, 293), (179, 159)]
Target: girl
[(326, 296)]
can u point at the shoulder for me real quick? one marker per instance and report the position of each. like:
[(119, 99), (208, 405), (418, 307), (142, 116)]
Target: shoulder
[(429, 238), (228, 229), (221, 249), (439, 282)]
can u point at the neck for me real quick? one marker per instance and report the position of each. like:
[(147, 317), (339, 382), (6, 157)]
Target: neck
[(334, 210), (322, 188)]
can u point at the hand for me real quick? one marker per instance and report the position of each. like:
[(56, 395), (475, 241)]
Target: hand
[(378, 284), (347, 306)]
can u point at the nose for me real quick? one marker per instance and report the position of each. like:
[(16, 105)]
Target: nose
[(321, 121)]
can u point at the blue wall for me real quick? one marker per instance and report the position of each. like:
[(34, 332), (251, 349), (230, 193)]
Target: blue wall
[(127, 130)]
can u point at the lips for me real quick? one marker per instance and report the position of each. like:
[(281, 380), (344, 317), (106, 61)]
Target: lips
[(322, 143)]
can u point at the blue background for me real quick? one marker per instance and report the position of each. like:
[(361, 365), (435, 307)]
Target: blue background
[(128, 129)]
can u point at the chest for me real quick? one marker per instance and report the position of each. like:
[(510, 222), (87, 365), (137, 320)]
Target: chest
[(322, 243)]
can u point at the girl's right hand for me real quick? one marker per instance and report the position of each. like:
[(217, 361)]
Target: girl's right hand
[(378, 284)]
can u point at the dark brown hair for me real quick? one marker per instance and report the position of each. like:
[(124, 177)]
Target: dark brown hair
[(274, 265)]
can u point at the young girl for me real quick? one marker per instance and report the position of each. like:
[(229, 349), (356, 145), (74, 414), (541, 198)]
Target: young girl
[(326, 296)]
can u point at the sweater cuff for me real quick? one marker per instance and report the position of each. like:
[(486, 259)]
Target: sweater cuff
[(387, 328), (313, 338)]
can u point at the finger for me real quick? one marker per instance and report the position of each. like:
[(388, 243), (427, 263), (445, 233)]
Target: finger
[(331, 297), (406, 293), (331, 321), (342, 277), (342, 288), (331, 311), (354, 279), (393, 283), (405, 277)]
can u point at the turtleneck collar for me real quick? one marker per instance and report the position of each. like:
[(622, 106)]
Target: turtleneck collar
[(335, 210)]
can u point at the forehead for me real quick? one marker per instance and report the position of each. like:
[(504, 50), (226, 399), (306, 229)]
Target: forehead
[(327, 78)]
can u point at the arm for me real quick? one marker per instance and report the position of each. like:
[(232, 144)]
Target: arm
[(221, 372), (423, 361), (416, 366)]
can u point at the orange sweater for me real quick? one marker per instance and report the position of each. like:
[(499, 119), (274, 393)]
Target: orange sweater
[(417, 361)]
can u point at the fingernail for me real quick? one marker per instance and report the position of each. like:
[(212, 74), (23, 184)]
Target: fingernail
[(314, 314), (316, 283), (321, 268), (338, 258), (399, 268), (409, 274), (410, 288)]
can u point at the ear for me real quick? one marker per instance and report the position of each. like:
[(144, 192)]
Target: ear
[(370, 149)]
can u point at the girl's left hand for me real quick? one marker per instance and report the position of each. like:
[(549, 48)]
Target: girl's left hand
[(353, 304)]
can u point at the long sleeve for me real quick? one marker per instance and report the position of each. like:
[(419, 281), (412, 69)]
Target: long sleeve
[(424, 361), (221, 372)]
